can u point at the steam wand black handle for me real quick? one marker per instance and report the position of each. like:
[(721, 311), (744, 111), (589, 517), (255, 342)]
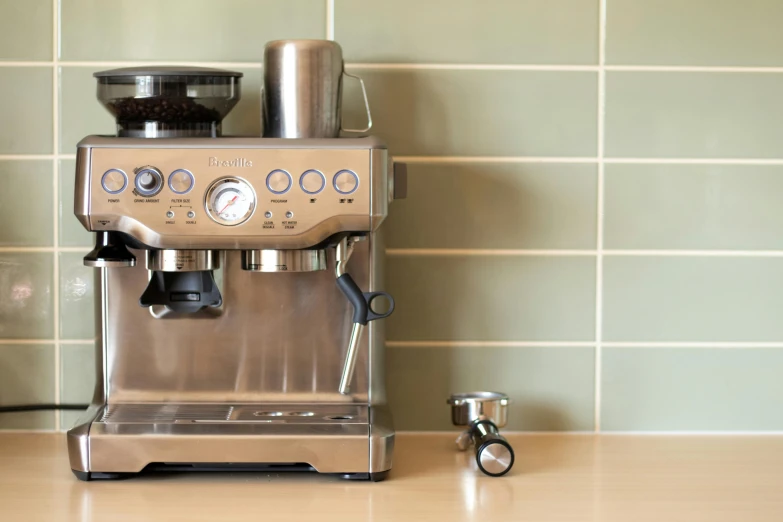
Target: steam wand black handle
[(362, 301), (362, 314)]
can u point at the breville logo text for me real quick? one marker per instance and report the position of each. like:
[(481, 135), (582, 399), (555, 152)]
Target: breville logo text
[(236, 162)]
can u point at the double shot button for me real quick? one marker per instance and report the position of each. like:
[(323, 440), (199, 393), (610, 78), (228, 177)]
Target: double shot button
[(346, 182)]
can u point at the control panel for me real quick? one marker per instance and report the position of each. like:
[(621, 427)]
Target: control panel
[(239, 192)]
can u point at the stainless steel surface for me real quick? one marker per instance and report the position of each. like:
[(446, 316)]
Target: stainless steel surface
[(366, 105), (464, 440), (278, 373), (103, 263), (381, 435), (314, 217), (280, 338), (280, 413), (343, 253), (292, 369), (129, 436), (310, 260), (157, 371), (350, 358), (182, 260), (302, 94), (495, 458), (468, 407)]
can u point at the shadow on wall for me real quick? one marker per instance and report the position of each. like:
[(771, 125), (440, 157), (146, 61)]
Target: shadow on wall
[(392, 94)]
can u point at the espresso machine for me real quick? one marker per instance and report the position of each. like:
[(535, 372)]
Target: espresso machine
[(239, 277)]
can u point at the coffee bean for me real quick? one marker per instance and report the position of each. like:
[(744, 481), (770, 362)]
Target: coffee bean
[(172, 111)]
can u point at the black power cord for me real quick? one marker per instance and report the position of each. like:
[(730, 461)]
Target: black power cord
[(42, 407)]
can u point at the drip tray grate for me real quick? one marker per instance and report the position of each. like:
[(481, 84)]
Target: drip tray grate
[(170, 413)]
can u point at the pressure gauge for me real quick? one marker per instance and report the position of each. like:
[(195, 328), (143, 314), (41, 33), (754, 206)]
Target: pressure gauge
[(230, 201)]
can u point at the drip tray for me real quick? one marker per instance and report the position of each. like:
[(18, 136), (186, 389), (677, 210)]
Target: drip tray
[(262, 413)]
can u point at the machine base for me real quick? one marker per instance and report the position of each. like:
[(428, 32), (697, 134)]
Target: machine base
[(86, 476), (352, 441)]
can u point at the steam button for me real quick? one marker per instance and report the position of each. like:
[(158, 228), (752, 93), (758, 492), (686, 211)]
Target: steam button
[(278, 181), (114, 181), (345, 182)]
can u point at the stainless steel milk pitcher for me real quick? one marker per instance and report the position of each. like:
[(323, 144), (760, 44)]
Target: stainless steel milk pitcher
[(302, 93)]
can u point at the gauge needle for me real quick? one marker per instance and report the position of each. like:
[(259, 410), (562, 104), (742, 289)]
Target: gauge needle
[(228, 204)]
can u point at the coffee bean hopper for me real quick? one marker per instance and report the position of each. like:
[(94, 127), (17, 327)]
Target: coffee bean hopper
[(483, 413)]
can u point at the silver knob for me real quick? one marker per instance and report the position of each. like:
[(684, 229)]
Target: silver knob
[(149, 181), (346, 182), (114, 181), (278, 181), (181, 181)]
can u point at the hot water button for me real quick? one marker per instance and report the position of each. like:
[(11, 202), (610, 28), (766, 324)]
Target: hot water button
[(345, 182), (114, 181)]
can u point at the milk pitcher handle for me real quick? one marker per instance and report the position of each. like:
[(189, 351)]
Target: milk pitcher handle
[(366, 105)]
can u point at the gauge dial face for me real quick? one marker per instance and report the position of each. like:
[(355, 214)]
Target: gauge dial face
[(230, 201)]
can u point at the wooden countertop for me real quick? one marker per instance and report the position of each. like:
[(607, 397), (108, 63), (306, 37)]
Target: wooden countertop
[(555, 478)]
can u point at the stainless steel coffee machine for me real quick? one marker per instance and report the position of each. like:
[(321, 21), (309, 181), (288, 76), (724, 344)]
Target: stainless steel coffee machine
[(238, 277)]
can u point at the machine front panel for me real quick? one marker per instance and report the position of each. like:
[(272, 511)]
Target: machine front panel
[(174, 194)]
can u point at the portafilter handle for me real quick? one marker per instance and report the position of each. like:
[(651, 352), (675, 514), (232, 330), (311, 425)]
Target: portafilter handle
[(494, 455), (362, 309), (482, 412)]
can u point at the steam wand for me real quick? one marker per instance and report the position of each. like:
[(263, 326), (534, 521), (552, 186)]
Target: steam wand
[(362, 307)]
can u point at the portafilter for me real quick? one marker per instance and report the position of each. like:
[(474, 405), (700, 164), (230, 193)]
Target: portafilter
[(483, 413)]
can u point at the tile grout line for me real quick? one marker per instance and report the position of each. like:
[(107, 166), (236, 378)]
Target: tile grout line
[(438, 159), (56, 213), (490, 252), (599, 236), (630, 345), (481, 344), (494, 252), (330, 19), (28, 250), (420, 66)]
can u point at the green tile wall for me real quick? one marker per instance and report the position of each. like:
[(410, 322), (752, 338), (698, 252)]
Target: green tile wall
[(552, 386), (461, 206), (575, 209), (465, 31), (691, 389), (481, 113), (492, 298)]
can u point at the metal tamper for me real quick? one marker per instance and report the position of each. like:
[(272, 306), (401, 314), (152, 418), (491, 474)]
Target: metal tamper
[(483, 413)]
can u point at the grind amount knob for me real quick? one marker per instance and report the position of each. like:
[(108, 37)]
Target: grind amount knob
[(149, 181)]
